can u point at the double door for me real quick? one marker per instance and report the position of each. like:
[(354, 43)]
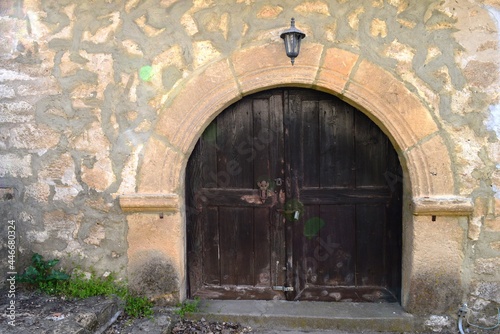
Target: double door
[(294, 194)]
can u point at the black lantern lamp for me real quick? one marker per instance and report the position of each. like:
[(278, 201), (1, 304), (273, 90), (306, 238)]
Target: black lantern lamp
[(292, 37)]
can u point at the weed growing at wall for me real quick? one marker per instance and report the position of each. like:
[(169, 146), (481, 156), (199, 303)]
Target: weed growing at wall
[(79, 286), (188, 307), (42, 276)]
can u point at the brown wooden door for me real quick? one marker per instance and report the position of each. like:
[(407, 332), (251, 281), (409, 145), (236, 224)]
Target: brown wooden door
[(324, 225)]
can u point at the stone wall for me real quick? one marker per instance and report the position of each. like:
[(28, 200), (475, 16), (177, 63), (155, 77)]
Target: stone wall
[(92, 91)]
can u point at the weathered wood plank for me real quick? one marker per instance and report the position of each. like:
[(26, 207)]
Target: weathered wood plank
[(338, 245), (371, 152), (262, 275), (228, 227), (211, 245), (337, 155), (235, 143), (310, 143), (370, 252)]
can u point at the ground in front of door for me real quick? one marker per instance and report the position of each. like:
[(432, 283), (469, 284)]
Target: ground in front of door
[(40, 313)]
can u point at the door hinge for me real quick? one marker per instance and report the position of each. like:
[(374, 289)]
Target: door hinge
[(282, 288)]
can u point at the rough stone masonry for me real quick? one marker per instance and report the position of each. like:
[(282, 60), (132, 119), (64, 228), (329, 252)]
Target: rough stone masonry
[(93, 93)]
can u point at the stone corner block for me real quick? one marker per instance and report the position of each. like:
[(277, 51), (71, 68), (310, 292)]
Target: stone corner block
[(442, 206), (149, 202)]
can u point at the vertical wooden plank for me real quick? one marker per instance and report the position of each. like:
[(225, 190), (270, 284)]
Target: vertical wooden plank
[(211, 244), (338, 245), (304, 243), (371, 153), (337, 158), (207, 148), (294, 143), (228, 245), (262, 247), (276, 133), (393, 247), (277, 168), (297, 247), (194, 233), (245, 256), (310, 143), (236, 245), (394, 228), (370, 237), (194, 254), (235, 153), (261, 141), (293, 181)]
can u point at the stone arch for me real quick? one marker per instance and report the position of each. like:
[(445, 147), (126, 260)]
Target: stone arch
[(392, 106), (430, 188)]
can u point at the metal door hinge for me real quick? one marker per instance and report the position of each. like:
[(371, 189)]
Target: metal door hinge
[(282, 288)]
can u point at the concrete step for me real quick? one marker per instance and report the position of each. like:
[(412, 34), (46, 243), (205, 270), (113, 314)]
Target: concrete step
[(302, 315)]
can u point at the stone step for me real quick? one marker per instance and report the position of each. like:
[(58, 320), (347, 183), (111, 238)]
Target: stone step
[(303, 315)]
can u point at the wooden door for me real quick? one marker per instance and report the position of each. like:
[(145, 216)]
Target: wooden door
[(346, 244), (235, 238), (324, 225)]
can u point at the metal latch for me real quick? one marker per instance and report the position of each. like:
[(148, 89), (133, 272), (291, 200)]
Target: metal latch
[(282, 288), (263, 185)]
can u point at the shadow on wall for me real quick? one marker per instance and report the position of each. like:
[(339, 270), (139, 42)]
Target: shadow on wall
[(152, 275)]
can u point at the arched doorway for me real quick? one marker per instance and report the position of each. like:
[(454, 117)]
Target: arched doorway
[(294, 194), (430, 187)]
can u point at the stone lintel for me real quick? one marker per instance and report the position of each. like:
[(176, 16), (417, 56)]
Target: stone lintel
[(442, 206), (149, 202)]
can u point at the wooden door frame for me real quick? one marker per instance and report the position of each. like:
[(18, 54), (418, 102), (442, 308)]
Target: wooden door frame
[(431, 183)]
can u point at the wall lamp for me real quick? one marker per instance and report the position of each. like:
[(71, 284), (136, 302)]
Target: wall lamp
[(292, 37)]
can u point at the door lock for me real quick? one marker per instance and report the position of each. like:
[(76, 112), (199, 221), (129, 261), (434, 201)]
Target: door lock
[(292, 210), (295, 214)]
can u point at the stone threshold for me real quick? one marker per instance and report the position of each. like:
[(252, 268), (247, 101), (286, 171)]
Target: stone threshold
[(306, 315)]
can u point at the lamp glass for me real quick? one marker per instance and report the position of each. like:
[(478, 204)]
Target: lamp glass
[(292, 37)]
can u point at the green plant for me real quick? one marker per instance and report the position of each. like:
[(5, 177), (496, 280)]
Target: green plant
[(138, 306), (42, 275), (189, 306), (81, 287)]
